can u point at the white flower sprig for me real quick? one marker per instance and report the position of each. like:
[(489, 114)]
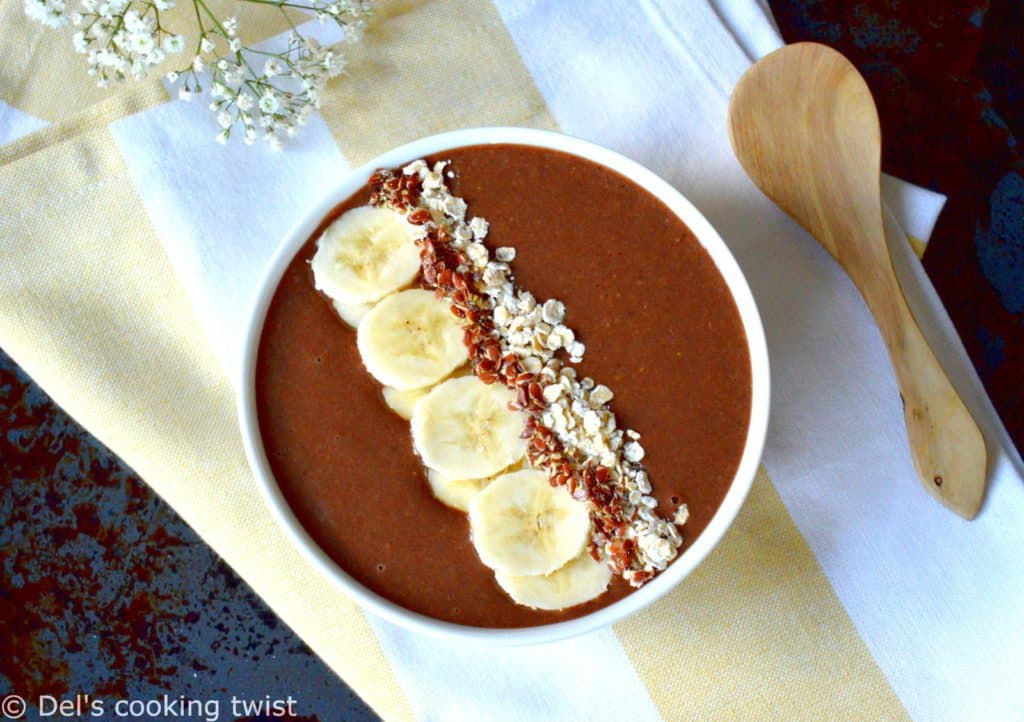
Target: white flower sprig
[(265, 94), (118, 41)]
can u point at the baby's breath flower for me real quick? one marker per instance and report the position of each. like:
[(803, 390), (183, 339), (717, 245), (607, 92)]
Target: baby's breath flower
[(112, 8), (269, 102), (125, 39), (118, 41), (51, 13), (174, 43), (355, 30), (135, 24), (272, 68), (334, 63), (141, 43)]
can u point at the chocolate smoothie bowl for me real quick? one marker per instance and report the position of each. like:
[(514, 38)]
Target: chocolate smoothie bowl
[(504, 384)]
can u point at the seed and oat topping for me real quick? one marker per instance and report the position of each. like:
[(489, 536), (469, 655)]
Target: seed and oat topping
[(516, 340)]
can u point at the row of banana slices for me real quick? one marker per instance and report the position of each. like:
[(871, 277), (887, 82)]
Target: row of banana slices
[(532, 535)]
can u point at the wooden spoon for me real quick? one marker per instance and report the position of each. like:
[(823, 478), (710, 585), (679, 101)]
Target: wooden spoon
[(804, 127)]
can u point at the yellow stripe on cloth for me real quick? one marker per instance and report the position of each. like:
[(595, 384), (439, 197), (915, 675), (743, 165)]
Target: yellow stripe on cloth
[(140, 96), (756, 632), (428, 67), (90, 306)]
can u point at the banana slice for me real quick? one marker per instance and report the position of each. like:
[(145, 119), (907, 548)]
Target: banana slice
[(352, 313), (456, 493), (523, 526), (411, 340), (466, 370), (401, 402), (366, 254), (464, 429), (581, 580)]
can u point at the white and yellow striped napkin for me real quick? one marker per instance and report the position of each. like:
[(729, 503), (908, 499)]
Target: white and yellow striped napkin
[(132, 243)]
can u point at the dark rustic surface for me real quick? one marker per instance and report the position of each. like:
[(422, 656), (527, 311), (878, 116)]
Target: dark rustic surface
[(105, 591)]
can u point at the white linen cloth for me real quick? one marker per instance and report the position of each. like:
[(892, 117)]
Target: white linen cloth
[(937, 599)]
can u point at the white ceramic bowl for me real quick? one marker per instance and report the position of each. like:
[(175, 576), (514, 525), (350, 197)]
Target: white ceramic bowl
[(707, 236)]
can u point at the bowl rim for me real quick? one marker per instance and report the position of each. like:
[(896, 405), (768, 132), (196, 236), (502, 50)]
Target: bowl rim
[(724, 261)]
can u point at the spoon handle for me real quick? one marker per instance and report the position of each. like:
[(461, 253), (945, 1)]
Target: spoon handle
[(946, 443)]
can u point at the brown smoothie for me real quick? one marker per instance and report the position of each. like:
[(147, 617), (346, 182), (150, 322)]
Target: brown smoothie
[(661, 329)]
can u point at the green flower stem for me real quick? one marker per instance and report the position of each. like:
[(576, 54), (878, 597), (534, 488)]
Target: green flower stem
[(280, 4)]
